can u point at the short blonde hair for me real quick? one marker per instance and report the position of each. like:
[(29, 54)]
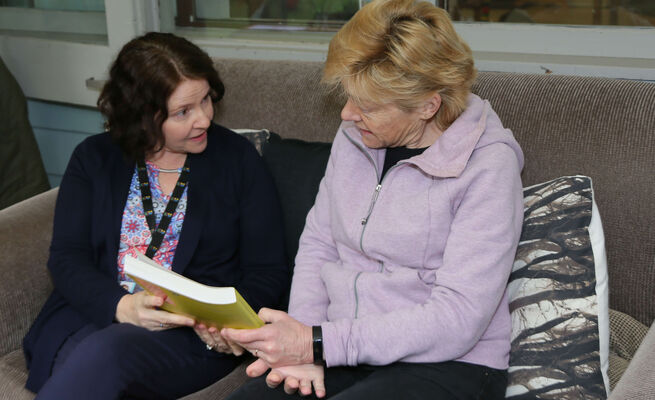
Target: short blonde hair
[(400, 52)]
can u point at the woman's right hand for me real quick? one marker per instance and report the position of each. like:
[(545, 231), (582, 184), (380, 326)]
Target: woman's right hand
[(141, 309), (282, 341)]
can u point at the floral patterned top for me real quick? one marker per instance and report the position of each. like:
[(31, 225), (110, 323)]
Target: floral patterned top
[(135, 234)]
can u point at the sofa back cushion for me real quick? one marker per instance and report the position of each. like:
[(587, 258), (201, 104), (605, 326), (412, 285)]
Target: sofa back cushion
[(297, 167), (602, 128), (285, 97)]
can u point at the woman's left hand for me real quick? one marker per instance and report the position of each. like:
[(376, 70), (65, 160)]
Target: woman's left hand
[(282, 341), (214, 340)]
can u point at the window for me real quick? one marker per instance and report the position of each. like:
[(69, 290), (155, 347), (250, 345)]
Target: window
[(611, 38), (61, 5), (53, 47), (317, 15), (329, 15), (568, 12), (58, 19), (71, 42)]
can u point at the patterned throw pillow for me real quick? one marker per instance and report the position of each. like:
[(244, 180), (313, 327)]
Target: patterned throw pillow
[(558, 296)]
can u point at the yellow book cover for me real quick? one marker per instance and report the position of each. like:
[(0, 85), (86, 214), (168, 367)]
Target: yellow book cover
[(213, 306)]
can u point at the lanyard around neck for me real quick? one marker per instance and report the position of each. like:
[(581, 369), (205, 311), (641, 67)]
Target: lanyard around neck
[(157, 232)]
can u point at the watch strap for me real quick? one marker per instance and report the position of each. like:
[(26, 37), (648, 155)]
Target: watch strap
[(317, 344)]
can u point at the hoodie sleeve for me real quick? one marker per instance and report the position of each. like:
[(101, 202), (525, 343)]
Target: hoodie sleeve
[(308, 301), (487, 213)]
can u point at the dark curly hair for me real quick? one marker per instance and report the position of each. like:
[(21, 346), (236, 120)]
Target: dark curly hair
[(142, 78)]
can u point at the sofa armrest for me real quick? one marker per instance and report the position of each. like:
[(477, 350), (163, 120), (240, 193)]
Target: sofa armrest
[(637, 381), (25, 235)]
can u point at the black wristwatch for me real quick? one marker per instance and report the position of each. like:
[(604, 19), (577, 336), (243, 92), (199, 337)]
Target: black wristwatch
[(317, 345)]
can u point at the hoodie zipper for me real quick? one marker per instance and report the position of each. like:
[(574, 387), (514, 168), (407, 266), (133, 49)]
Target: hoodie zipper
[(374, 199), (364, 221)]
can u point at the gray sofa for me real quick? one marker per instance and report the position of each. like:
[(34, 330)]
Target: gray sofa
[(602, 128)]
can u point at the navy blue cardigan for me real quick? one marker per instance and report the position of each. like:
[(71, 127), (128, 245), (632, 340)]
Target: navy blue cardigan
[(232, 235)]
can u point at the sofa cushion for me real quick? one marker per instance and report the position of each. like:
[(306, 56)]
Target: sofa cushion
[(13, 375), (601, 128), (25, 235), (558, 295), (224, 386), (626, 334), (297, 167), (637, 382)]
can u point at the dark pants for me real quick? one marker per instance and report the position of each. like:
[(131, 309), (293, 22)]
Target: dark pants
[(446, 380), (126, 361)]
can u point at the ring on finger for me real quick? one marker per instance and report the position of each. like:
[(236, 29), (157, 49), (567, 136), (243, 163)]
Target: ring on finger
[(161, 324), (209, 347), (255, 353)]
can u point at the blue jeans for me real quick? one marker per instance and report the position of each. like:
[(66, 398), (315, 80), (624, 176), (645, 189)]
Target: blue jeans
[(445, 380)]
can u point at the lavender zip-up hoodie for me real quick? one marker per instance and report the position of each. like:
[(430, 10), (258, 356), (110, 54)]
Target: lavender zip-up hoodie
[(414, 268)]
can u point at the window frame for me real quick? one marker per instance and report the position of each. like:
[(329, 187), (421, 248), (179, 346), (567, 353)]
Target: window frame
[(74, 66), (74, 60), (38, 20)]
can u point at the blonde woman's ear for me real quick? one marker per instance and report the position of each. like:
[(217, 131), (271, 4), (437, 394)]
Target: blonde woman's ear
[(431, 105)]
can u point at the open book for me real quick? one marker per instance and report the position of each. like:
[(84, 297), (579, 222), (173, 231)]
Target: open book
[(213, 306)]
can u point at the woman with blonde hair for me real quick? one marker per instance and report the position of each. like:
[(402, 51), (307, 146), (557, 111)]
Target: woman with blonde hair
[(399, 288)]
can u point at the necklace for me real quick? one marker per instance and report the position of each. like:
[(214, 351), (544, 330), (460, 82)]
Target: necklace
[(169, 170), (164, 170)]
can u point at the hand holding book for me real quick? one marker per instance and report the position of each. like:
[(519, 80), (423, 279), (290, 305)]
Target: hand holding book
[(142, 309), (216, 341), (211, 306)]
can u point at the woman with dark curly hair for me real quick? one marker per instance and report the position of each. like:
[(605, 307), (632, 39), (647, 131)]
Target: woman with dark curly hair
[(167, 182)]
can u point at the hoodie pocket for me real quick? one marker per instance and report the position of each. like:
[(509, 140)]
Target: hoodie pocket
[(381, 292), (340, 283)]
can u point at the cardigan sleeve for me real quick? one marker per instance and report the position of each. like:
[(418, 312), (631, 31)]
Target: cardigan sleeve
[(73, 261)]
